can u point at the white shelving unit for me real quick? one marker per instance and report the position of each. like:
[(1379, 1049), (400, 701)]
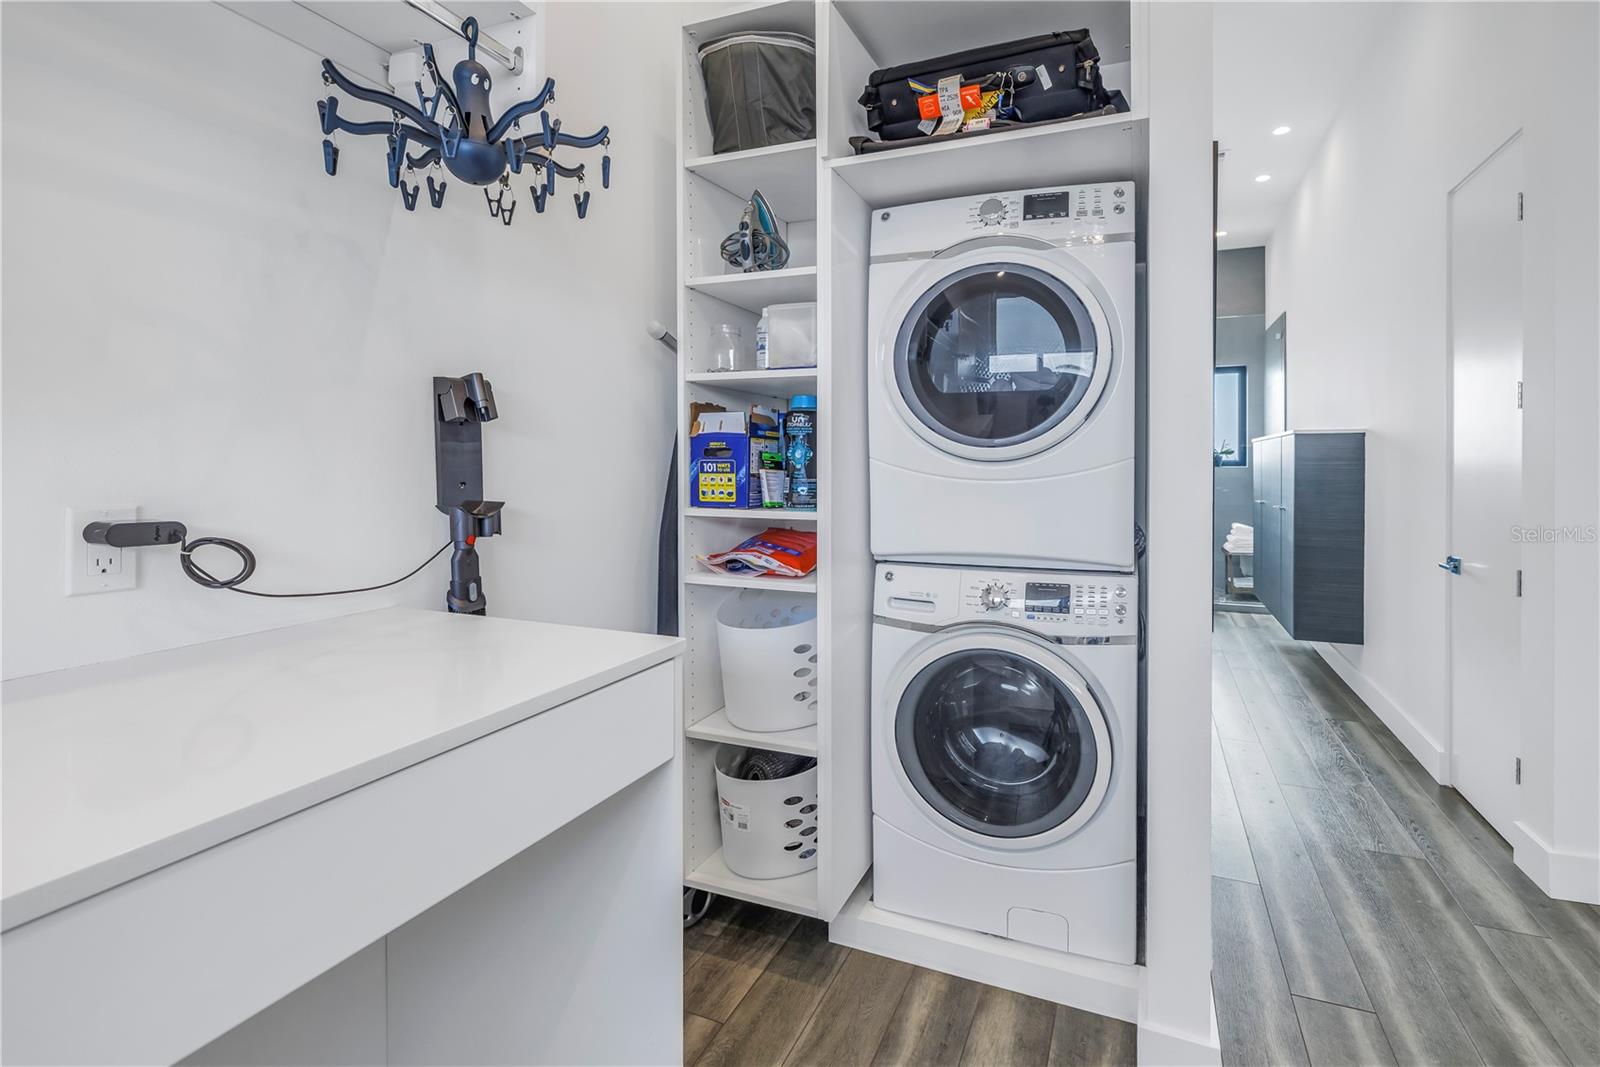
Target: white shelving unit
[(826, 195)]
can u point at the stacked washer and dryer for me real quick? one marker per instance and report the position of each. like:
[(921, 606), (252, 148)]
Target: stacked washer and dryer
[(1005, 635)]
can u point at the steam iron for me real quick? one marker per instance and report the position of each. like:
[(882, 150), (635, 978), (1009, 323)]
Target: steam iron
[(756, 244)]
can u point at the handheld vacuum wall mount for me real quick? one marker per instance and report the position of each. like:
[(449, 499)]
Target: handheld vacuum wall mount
[(460, 407)]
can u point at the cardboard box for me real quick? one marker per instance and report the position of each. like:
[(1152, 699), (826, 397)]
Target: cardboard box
[(723, 449)]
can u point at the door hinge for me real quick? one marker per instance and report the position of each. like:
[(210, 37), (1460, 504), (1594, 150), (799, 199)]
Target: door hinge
[(1519, 770), (1519, 207), (1519, 394), (1519, 581)]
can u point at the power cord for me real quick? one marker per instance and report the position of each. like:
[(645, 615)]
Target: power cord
[(247, 567)]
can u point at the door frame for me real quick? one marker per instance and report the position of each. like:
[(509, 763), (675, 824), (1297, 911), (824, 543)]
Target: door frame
[(1447, 766)]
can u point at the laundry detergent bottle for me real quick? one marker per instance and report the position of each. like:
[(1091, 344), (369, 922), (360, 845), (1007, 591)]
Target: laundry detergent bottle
[(800, 451)]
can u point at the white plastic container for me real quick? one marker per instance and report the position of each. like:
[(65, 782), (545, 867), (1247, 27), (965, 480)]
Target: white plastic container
[(767, 641), (791, 336), (769, 829)]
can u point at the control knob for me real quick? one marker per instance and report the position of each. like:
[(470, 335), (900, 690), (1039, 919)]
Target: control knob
[(993, 597), (992, 211)]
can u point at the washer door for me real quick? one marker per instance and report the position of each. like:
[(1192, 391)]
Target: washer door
[(1000, 360), (1000, 739)]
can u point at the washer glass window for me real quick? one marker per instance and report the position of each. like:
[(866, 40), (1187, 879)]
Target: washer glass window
[(996, 355), (996, 743)]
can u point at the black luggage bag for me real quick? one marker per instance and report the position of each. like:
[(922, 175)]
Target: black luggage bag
[(1039, 79)]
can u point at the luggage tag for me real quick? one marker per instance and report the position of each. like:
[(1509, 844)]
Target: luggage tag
[(951, 113)]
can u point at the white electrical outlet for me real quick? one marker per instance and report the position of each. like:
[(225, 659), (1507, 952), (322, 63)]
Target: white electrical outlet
[(99, 568)]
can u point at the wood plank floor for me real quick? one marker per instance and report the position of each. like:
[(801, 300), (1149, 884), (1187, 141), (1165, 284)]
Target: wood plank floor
[(1361, 913), (761, 989)]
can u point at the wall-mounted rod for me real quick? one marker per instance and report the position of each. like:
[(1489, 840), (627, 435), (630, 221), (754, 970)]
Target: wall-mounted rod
[(510, 58)]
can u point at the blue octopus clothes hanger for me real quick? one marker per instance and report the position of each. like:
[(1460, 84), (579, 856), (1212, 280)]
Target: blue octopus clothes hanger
[(469, 142)]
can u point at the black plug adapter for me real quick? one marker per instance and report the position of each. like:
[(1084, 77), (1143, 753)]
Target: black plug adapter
[(135, 534)]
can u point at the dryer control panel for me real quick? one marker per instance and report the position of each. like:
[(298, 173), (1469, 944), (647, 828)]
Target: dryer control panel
[(1070, 211), (1055, 603)]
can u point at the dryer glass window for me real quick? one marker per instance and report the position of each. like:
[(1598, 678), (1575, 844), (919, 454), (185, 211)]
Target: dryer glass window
[(996, 743), (996, 355)]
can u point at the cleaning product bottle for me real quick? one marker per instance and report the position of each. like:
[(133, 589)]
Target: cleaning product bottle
[(761, 340), (800, 450)]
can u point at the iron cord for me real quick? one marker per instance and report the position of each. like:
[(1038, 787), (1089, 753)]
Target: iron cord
[(247, 567)]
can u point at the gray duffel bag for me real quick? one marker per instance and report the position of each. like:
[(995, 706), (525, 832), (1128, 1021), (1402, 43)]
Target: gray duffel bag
[(761, 89)]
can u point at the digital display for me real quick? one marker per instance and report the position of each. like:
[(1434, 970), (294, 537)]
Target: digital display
[(1046, 206), (1052, 597)]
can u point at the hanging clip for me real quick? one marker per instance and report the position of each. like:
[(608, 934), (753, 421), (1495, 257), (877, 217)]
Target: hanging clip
[(330, 157), (505, 212), (409, 197), (605, 165), (550, 130), (516, 151), (494, 204), (328, 112), (582, 203), (436, 192), (538, 197), (397, 153), (550, 177), (449, 140)]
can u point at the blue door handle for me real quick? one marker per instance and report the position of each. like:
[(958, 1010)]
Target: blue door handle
[(1451, 564)]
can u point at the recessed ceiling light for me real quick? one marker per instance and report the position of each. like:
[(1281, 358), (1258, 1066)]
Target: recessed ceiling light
[(1263, 177), (1222, 233), (1279, 131)]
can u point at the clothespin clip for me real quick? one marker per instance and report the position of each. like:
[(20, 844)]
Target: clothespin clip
[(436, 192), (449, 140), (605, 165), (582, 203), (505, 212), (397, 154), (538, 197), (330, 157), (515, 152), (409, 197), (327, 112), (494, 204), (550, 178)]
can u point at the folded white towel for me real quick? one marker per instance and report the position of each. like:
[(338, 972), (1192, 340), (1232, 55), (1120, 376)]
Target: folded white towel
[(1240, 528)]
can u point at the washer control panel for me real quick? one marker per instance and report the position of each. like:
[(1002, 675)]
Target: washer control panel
[(1060, 603), (1068, 211)]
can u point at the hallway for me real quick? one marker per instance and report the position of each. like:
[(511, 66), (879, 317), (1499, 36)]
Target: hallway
[(1360, 912)]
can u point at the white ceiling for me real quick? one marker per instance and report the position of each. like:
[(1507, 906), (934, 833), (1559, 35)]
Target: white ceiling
[(1280, 64)]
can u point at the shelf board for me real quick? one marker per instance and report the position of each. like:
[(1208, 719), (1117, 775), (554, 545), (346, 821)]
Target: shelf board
[(796, 893), (757, 289), (1108, 148), (716, 727), (786, 174), (807, 584), (765, 514), (761, 382)]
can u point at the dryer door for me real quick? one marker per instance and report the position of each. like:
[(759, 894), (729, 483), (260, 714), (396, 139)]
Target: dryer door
[(1000, 739), (1000, 360)]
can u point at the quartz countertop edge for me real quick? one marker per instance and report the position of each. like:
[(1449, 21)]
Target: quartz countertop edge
[(531, 675)]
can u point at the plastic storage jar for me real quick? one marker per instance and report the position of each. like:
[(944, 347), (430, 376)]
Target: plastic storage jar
[(769, 828), (767, 641), (791, 337)]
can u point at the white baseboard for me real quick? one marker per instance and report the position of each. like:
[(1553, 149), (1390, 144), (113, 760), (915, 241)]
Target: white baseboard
[(1561, 875), (1160, 1047), (1418, 741), (1110, 989)]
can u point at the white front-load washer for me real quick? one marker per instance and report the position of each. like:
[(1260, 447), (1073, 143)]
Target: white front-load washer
[(1004, 753), (1001, 380)]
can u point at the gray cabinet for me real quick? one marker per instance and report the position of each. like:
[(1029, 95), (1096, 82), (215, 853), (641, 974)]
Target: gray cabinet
[(1310, 519)]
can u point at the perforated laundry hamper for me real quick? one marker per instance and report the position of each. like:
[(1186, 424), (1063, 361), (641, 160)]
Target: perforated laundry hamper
[(767, 641), (769, 828)]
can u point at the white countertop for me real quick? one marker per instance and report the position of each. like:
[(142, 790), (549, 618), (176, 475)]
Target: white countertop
[(114, 770)]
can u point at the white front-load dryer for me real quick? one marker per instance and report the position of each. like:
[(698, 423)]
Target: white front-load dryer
[(1001, 381), (1004, 753)]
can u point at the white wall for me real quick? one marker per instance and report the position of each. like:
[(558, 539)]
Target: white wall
[(198, 321), (1176, 1023), (1358, 263)]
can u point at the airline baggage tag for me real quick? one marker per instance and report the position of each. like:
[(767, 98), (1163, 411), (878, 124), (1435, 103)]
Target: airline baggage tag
[(950, 109)]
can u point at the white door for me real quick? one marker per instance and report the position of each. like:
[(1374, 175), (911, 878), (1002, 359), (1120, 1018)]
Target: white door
[(1485, 484)]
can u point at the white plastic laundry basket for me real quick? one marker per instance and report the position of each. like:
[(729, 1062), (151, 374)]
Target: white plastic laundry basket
[(769, 829), (768, 643)]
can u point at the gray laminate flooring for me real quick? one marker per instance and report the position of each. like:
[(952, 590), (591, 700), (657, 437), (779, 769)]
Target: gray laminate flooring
[(1361, 913), (762, 988)]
